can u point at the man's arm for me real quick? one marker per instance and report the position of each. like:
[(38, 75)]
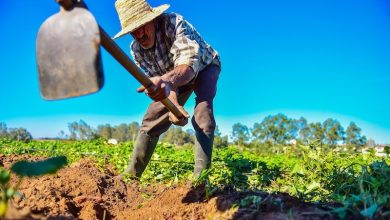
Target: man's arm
[(169, 82), (179, 76)]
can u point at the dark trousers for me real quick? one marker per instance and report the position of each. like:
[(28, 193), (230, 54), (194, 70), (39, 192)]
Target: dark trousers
[(156, 122)]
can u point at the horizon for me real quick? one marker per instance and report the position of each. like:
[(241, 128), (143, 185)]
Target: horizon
[(225, 125), (318, 60)]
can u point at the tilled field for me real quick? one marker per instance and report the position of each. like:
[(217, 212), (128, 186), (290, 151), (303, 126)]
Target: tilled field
[(82, 191)]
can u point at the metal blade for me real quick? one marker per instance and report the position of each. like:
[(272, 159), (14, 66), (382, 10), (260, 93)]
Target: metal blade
[(68, 55)]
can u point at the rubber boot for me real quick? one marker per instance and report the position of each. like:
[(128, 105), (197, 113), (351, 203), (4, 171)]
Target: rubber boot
[(203, 149), (143, 150)]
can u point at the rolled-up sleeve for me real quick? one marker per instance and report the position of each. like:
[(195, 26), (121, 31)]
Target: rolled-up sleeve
[(185, 48)]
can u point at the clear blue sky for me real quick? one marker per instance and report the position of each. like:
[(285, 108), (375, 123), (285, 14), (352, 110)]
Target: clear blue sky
[(316, 59)]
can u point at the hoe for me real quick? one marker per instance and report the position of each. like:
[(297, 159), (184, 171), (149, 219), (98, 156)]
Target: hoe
[(68, 55)]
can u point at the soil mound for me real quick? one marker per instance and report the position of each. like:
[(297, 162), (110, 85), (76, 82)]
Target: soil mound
[(80, 190)]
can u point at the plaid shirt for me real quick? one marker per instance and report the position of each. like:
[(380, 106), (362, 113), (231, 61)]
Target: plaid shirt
[(177, 43)]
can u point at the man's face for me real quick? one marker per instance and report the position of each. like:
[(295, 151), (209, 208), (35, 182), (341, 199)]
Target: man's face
[(145, 35)]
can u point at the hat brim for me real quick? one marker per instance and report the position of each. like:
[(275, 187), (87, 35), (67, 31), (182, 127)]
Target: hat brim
[(145, 19)]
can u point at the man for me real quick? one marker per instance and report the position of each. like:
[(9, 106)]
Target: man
[(179, 62)]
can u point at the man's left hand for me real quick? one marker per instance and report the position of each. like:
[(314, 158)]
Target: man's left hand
[(158, 91)]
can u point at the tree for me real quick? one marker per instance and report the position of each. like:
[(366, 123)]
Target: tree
[(386, 149), (133, 130), (86, 131), (333, 131), (81, 131), (121, 132), (105, 131), (316, 132), (353, 136), (73, 128), (175, 135), (303, 129), (291, 129), (371, 143), (219, 140), (62, 135), (19, 134), (240, 134), (277, 129), (3, 130)]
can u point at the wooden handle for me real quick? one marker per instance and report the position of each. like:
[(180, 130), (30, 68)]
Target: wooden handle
[(121, 57), (133, 69)]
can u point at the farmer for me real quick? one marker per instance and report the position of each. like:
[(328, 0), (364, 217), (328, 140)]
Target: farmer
[(178, 62)]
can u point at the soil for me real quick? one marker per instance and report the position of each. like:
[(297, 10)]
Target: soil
[(82, 191)]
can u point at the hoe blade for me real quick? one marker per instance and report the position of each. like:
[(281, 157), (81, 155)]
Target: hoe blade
[(68, 55)]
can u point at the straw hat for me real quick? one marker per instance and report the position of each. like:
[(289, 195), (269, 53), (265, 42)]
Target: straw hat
[(135, 13)]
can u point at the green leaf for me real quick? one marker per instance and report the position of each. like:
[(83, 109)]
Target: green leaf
[(30, 169), (298, 169), (313, 186), (370, 211), (10, 192), (4, 176)]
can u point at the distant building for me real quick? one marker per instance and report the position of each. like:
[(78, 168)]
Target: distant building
[(379, 150), (293, 142)]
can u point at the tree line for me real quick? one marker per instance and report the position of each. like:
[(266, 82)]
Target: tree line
[(80, 130), (19, 134), (272, 130), (281, 130)]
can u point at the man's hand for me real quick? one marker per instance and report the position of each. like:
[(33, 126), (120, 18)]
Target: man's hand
[(179, 121), (166, 87), (158, 91)]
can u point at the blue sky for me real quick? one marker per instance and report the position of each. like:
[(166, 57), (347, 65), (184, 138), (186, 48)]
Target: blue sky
[(316, 59)]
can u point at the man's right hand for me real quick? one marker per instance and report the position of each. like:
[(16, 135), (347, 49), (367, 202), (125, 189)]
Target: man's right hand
[(158, 91), (179, 121)]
